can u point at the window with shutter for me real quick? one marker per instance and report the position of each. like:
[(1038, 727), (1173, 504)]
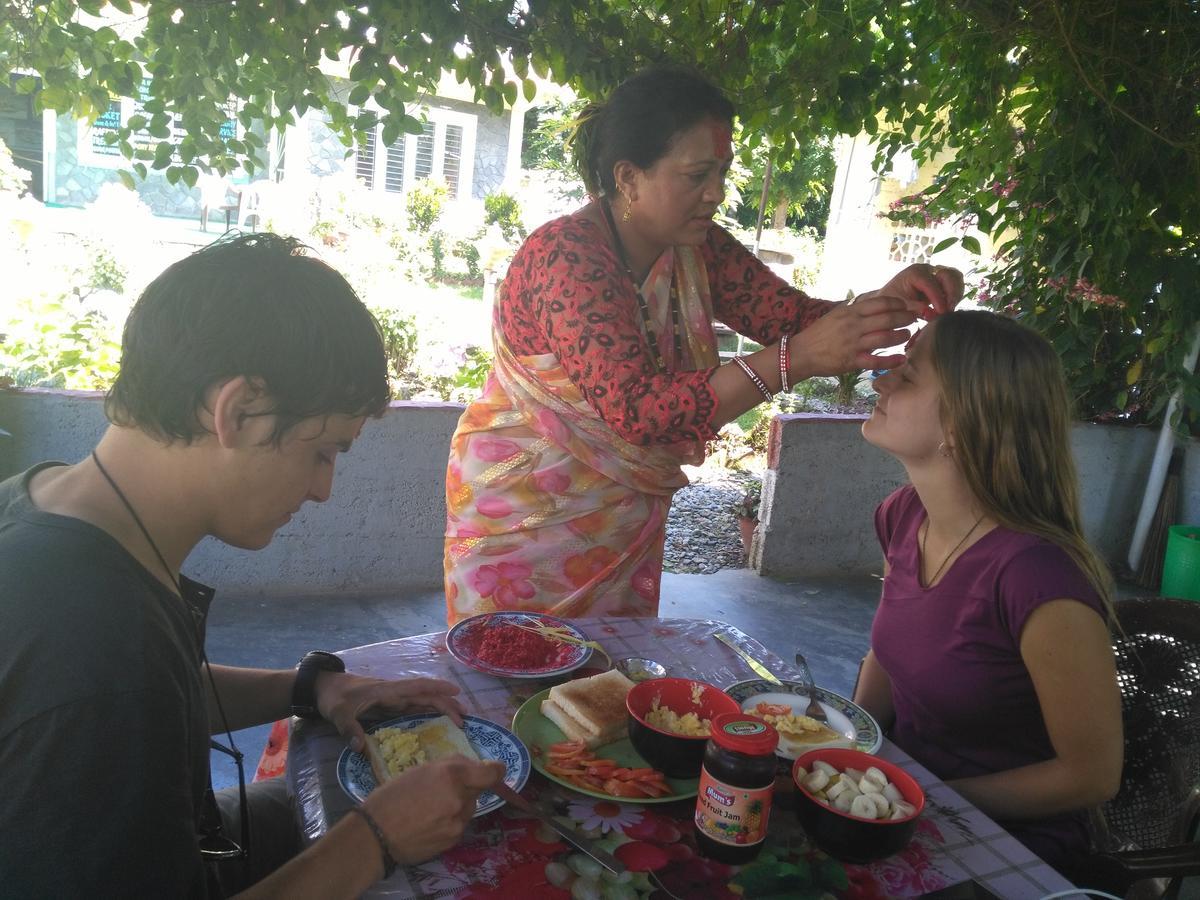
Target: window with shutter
[(364, 158)]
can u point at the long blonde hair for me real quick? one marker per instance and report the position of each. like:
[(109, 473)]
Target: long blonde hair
[(1005, 400)]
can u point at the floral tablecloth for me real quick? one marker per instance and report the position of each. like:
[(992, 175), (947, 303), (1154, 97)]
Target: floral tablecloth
[(505, 854)]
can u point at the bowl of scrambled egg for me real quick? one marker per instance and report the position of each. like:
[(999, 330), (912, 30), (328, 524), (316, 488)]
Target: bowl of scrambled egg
[(669, 720)]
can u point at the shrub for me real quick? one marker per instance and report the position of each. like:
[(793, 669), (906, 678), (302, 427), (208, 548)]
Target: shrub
[(502, 209), (424, 204)]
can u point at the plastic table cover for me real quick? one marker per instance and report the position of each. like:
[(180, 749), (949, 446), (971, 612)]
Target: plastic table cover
[(504, 854)]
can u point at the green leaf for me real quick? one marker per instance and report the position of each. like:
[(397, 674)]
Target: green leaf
[(126, 178), (529, 88), (971, 244), (944, 243), (190, 175)]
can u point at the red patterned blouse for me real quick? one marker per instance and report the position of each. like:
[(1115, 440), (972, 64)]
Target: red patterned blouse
[(567, 294)]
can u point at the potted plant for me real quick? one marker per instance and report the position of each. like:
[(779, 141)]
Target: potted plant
[(745, 509)]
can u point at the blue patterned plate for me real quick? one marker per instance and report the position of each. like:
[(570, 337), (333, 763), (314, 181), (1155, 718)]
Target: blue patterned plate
[(462, 638), (844, 715), (491, 741)]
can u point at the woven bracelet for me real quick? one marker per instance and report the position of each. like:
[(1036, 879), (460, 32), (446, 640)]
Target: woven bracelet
[(785, 364), (389, 863), (754, 376)]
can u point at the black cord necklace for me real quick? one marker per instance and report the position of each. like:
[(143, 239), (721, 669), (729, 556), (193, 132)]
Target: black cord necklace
[(197, 617), (646, 324)]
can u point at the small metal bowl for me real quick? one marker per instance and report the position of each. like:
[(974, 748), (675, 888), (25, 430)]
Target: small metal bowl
[(636, 668)]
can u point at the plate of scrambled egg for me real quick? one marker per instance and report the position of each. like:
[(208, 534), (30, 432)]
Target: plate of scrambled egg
[(783, 707), (412, 740)]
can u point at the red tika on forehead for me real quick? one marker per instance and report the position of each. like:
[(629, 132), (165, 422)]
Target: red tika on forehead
[(722, 139)]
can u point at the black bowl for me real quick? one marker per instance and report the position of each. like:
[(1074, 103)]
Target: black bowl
[(847, 837), (675, 755)]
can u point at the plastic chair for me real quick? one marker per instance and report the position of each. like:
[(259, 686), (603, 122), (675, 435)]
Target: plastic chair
[(243, 210), (213, 191), (1158, 805)]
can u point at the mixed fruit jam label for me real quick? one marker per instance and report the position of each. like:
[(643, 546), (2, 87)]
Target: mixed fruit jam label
[(732, 815)]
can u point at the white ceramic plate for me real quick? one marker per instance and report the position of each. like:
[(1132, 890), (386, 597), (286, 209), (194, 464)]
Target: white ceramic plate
[(860, 731), (491, 741)]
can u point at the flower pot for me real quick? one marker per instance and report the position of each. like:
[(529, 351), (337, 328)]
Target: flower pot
[(747, 524)]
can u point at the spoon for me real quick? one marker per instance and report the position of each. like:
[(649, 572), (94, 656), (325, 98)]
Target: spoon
[(638, 668)]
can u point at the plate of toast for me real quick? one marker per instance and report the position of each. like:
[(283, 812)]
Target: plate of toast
[(783, 706), (590, 713), (406, 742)]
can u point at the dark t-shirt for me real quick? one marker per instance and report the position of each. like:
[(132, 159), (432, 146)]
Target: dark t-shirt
[(964, 701), (103, 718)]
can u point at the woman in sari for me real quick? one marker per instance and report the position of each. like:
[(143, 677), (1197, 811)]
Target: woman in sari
[(606, 377)]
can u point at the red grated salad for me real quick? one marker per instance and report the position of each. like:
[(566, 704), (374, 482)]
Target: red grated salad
[(508, 646)]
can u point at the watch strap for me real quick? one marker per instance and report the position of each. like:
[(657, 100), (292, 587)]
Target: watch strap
[(304, 688)]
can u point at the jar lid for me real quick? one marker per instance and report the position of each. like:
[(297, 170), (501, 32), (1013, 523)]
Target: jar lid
[(743, 734)]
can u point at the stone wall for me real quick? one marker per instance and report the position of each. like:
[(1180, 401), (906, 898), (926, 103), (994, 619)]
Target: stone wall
[(78, 184), (824, 482)]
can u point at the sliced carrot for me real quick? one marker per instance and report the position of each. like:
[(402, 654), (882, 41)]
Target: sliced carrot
[(568, 747), (619, 788), (564, 771), (653, 788)]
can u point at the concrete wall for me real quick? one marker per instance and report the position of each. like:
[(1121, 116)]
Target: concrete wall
[(824, 482), (381, 530)]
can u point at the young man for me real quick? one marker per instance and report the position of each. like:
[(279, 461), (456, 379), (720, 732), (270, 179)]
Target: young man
[(247, 367)]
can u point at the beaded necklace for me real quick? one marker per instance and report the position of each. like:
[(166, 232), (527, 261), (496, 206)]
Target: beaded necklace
[(659, 365)]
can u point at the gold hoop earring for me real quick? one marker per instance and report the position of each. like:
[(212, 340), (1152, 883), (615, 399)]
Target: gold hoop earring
[(628, 207)]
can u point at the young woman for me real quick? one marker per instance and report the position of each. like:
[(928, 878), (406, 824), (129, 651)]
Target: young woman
[(606, 375), (990, 656)]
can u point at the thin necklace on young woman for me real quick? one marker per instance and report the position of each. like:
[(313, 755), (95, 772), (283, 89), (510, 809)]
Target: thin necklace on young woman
[(932, 578), (674, 297)]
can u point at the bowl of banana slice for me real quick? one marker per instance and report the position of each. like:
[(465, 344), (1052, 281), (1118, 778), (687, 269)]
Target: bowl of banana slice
[(855, 806)]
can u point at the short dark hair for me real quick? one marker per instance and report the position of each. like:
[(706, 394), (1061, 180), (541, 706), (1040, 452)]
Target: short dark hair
[(640, 119), (255, 305)]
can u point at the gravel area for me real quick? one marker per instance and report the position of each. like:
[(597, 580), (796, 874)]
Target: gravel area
[(702, 531)]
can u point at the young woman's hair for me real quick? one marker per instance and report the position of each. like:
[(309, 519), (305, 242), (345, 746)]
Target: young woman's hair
[(639, 120), (1004, 399), (255, 305)]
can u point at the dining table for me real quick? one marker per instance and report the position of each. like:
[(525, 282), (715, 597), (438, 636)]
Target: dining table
[(508, 854)]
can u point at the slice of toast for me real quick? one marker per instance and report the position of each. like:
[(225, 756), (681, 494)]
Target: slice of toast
[(590, 709), (436, 738), (441, 737)]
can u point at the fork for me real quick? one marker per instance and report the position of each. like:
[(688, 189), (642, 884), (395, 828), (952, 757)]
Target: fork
[(815, 710)]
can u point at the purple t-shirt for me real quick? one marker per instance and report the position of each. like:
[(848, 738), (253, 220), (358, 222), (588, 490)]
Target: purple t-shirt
[(965, 704)]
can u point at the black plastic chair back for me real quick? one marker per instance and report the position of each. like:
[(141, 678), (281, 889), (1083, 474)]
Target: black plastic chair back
[(1158, 667)]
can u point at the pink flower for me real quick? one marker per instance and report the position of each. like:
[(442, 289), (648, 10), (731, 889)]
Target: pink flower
[(553, 427), (551, 482), (506, 583), (495, 449), (494, 507)]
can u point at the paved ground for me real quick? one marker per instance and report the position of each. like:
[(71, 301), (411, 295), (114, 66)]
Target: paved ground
[(829, 621)]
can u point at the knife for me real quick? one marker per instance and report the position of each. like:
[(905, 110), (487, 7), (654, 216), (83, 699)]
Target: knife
[(759, 669), (567, 832)]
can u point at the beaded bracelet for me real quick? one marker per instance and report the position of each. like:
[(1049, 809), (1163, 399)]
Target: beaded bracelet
[(389, 863), (785, 363), (755, 377)]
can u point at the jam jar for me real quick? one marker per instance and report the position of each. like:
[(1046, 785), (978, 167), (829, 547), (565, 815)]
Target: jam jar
[(737, 780)]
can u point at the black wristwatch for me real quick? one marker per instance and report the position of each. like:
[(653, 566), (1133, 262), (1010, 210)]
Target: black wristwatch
[(304, 688)]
